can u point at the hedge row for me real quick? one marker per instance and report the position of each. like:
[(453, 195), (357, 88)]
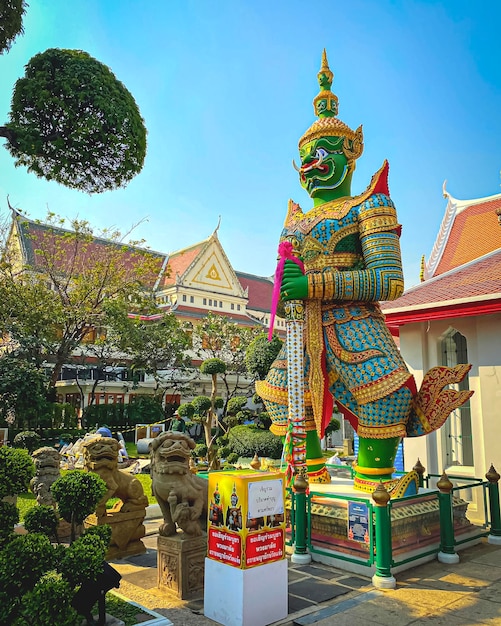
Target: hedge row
[(247, 440)]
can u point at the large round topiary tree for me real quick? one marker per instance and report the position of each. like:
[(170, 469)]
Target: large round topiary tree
[(72, 121)]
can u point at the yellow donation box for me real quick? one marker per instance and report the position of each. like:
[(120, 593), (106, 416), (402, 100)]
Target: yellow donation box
[(246, 517)]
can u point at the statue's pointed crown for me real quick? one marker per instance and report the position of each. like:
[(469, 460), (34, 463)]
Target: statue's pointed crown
[(326, 106)]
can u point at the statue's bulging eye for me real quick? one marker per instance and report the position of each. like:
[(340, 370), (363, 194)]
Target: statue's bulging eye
[(321, 153)]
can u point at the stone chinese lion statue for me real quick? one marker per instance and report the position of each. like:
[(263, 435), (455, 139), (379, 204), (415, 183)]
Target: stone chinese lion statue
[(181, 495), (101, 456), (46, 472)]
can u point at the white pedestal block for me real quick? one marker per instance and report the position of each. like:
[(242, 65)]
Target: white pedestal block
[(245, 597)]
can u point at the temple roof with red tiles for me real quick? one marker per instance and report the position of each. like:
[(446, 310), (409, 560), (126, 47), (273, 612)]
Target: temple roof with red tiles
[(463, 275), (180, 261), (468, 231), (472, 289), (260, 290), (60, 246)]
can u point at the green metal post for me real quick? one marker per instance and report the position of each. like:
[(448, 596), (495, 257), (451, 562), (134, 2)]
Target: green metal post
[(383, 578), (300, 554), (447, 552), (495, 530)]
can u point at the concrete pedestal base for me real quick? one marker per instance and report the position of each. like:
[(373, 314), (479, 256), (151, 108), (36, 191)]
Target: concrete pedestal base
[(445, 557), (384, 582), (494, 540), (245, 597), (180, 565)]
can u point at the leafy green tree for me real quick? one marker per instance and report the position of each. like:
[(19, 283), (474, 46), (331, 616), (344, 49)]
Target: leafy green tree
[(11, 22), (41, 519), (217, 337), (72, 121), (261, 353), (27, 439), (77, 274), (156, 347), (23, 389)]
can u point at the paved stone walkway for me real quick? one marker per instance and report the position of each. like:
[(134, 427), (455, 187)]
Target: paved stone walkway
[(434, 594)]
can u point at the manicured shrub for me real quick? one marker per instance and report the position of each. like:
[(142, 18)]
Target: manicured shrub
[(41, 519), (83, 559), (248, 440), (28, 439), (49, 603), (77, 494), (16, 471), (9, 516), (29, 557)]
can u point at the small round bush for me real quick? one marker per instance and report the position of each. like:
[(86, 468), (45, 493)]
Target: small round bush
[(29, 557), (83, 560), (28, 439), (41, 519), (49, 603), (16, 471), (248, 440), (103, 531), (77, 494)]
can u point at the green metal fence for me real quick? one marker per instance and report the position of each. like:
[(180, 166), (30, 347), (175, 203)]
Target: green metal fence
[(458, 510)]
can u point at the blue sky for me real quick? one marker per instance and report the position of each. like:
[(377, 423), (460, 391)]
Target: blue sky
[(226, 89)]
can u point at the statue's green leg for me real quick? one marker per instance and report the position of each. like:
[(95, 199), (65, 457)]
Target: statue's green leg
[(376, 458), (317, 472), (375, 464)]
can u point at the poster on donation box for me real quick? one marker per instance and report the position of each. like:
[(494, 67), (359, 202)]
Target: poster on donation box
[(246, 525)]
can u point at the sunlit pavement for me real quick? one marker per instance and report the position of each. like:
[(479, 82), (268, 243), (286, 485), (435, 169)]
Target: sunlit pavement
[(435, 594)]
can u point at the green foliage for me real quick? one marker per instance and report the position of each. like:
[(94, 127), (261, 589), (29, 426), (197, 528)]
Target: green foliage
[(333, 426), (27, 439), (75, 123), (200, 450), (29, 556), (213, 366), (248, 440), (186, 410), (77, 495), (103, 531), (236, 404), (9, 516), (16, 471), (201, 404), (261, 353), (11, 22), (83, 559), (41, 519), (232, 458), (49, 603), (22, 390)]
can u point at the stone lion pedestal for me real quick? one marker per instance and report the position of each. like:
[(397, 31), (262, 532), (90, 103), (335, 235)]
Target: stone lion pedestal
[(127, 530), (181, 563)]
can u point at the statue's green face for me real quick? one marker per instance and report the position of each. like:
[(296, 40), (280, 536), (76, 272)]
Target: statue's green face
[(323, 165)]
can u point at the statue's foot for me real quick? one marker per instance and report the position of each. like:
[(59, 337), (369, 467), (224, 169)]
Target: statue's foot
[(407, 485), (167, 530)]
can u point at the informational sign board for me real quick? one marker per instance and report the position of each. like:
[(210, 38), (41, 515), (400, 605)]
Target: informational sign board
[(246, 525), (358, 522)]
